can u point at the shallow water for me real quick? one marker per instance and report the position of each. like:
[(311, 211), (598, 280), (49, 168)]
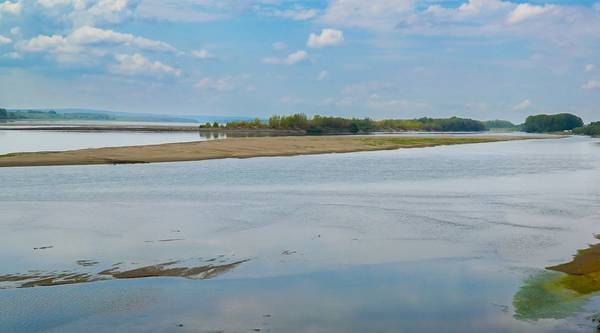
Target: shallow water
[(14, 141), (434, 239)]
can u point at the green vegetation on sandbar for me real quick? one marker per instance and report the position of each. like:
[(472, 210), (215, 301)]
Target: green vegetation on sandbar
[(329, 125), (564, 291), (544, 123)]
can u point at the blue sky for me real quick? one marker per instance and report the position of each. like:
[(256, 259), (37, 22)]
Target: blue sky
[(484, 59)]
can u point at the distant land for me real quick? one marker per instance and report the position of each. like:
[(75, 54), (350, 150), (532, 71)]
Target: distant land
[(92, 114)]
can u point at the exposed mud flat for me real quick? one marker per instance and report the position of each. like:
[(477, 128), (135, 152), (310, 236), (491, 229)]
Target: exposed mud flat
[(115, 271)]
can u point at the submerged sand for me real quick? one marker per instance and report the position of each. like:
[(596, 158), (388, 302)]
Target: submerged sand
[(240, 148)]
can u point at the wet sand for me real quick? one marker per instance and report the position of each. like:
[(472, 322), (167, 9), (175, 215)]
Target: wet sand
[(240, 148)]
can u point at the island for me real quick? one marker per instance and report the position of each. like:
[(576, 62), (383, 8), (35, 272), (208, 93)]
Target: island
[(242, 148)]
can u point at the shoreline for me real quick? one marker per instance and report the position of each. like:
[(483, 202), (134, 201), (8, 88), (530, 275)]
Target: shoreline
[(138, 128), (240, 148)]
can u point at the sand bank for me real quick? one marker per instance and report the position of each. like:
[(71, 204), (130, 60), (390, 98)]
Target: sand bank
[(239, 148)]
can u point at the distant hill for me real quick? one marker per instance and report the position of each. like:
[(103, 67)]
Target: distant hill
[(90, 114)]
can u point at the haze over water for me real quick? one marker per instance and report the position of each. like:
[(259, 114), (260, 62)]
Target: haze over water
[(434, 239)]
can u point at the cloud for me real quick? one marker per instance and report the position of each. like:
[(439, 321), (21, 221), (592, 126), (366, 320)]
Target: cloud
[(291, 59), (190, 10), (12, 55), (589, 68), (372, 14), (82, 12), (566, 25), (296, 13), (212, 10), (328, 37), (202, 54), (8, 7), (323, 75), (87, 36), (137, 64), (523, 105), (279, 46), (223, 84), (5, 40), (91, 35), (526, 11), (476, 7), (591, 85)]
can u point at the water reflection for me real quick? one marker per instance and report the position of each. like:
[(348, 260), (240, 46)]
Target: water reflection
[(437, 239), (431, 296)]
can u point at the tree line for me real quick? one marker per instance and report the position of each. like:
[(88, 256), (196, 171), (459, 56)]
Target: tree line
[(323, 124), (50, 115)]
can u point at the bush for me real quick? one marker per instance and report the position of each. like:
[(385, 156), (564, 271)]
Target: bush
[(592, 129)]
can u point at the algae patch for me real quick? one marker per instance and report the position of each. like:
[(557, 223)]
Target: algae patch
[(561, 290), (543, 297)]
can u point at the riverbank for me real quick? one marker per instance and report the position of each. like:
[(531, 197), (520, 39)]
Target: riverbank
[(140, 128), (239, 148)]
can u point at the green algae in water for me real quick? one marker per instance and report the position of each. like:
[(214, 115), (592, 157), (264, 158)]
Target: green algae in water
[(544, 296)]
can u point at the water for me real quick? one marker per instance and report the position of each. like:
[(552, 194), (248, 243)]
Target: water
[(13, 141), (434, 239)]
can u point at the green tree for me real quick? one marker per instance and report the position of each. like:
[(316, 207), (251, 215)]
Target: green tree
[(3, 114), (552, 123)]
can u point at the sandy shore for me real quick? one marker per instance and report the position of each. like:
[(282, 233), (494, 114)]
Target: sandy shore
[(237, 148)]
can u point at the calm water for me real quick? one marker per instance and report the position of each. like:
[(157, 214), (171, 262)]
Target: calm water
[(434, 239), (13, 141)]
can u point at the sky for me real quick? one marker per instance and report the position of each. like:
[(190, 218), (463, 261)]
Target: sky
[(484, 59)]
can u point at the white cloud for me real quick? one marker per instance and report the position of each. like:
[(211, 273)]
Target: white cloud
[(189, 10), (5, 40), (223, 84), (90, 36), (328, 37), (589, 68), (12, 55), (523, 105), (297, 13), (211, 10), (8, 7), (202, 54), (591, 85), (526, 11), (476, 7), (82, 12), (291, 59), (372, 14), (279, 46), (15, 31), (323, 75), (137, 64)]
